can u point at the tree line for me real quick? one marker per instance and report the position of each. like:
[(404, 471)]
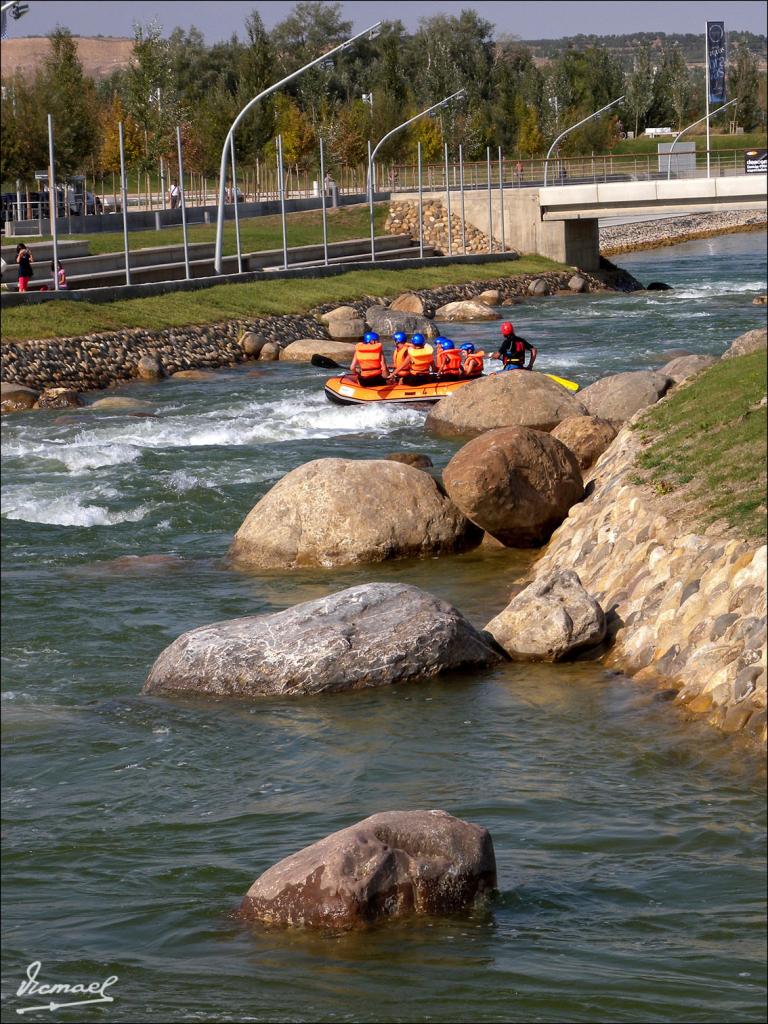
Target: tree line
[(513, 100)]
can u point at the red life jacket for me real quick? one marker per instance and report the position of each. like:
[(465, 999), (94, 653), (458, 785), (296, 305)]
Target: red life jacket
[(449, 362), (369, 358), (473, 364)]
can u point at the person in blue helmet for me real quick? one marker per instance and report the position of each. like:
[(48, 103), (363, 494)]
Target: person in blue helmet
[(418, 364), (472, 360), (448, 359), (400, 339), (368, 361)]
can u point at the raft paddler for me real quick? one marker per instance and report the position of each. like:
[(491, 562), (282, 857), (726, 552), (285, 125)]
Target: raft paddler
[(513, 348), (400, 339), (473, 360), (448, 360), (368, 361), (418, 363)]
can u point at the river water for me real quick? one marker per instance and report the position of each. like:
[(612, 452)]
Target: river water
[(629, 842)]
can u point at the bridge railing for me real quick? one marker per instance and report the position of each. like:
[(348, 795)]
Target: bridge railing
[(562, 170)]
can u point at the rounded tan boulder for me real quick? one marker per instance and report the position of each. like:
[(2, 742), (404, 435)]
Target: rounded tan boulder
[(686, 366), (621, 395), (515, 398), (752, 341), (516, 483), (392, 865), (339, 313), (466, 310), (586, 436), (333, 512), (408, 302), (301, 351)]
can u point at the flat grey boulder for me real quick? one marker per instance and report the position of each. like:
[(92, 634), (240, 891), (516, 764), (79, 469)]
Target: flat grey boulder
[(351, 330), (686, 366), (386, 321), (752, 341), (376, 634), (467, 309), (514, 398), (552, 618), (301, 351), (621, 395), (333, 512), (392, 865), (516, 483), (586, 436)]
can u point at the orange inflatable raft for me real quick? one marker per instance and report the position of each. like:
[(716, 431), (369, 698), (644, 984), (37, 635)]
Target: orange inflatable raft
[(347, 391)]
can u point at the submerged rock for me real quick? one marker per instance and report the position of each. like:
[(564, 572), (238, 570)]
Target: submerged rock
[(391, 865), (344, 512), (411, 459), (59, 398), (371, 635), (514, 398), (550, 619), (516, 483), (16, 398)]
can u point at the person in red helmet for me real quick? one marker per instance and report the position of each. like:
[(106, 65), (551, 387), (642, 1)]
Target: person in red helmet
[(513, 348)]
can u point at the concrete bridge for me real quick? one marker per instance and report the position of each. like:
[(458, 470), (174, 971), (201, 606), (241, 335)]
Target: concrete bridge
[(561, 221)]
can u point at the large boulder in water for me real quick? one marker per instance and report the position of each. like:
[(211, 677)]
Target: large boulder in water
[(391, 865), (752, 341), (301, 351), (686, 366), (16, 397), (586, 436), (386, 321), (377, 634), (513, 398), (550, 619), (344, 512), (466, 309), (516, 483), (621, 395)]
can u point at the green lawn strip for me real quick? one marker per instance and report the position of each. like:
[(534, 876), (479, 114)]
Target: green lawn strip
[(718, 143), (67, 319), (711, 439), (256, 233)]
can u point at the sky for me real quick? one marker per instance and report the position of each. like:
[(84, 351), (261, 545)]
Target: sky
[(531, 19)]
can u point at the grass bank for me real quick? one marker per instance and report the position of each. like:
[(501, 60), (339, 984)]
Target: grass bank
[(708, 446), (256, 233), (717, 143), (67, 319)]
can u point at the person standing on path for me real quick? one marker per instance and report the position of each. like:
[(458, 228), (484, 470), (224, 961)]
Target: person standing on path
[(25, 260), (174, 194)]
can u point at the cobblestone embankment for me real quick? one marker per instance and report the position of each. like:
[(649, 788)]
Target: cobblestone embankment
[(652, 234), (687, 610)]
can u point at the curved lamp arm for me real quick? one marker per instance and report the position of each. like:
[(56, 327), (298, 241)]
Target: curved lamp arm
[(573, 128), (677, 137)]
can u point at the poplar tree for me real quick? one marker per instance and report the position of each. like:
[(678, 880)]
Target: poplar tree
[(639, 87)]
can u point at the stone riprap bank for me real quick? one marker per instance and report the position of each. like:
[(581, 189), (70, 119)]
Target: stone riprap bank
[(96, 361), (687, 609), (652, 234)]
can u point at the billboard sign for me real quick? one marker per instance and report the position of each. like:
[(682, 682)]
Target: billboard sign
[(716, 61), (756, 161)]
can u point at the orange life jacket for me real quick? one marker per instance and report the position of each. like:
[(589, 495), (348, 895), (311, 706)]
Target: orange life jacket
[(401, 351), (473, 363), (369, 359), (421, 359), (450, 362)]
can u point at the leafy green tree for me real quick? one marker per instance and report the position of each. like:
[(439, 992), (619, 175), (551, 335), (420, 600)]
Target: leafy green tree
[(257, 72), (348, 134), (70, 98), (744, 87), (639, 86), (108, 156), (151, 98), (679, 85), (530, 141), (299, 137), (24, 132)]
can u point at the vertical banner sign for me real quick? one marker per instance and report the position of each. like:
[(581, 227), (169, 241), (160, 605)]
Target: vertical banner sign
[(716, 61)]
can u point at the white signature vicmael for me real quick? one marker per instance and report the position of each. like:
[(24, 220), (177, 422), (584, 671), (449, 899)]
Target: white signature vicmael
[(32, 988)]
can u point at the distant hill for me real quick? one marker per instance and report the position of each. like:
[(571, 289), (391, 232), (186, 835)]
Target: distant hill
[(624, 47), (99, 55)]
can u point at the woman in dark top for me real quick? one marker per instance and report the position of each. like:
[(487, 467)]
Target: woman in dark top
[(25, 261)]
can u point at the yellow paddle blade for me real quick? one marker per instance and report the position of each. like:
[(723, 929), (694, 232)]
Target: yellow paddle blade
[(570, 384)]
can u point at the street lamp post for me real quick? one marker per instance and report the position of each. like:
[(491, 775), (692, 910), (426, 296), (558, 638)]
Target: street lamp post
[(706, 118), (369, 32), (573, 128), (372, 154)]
